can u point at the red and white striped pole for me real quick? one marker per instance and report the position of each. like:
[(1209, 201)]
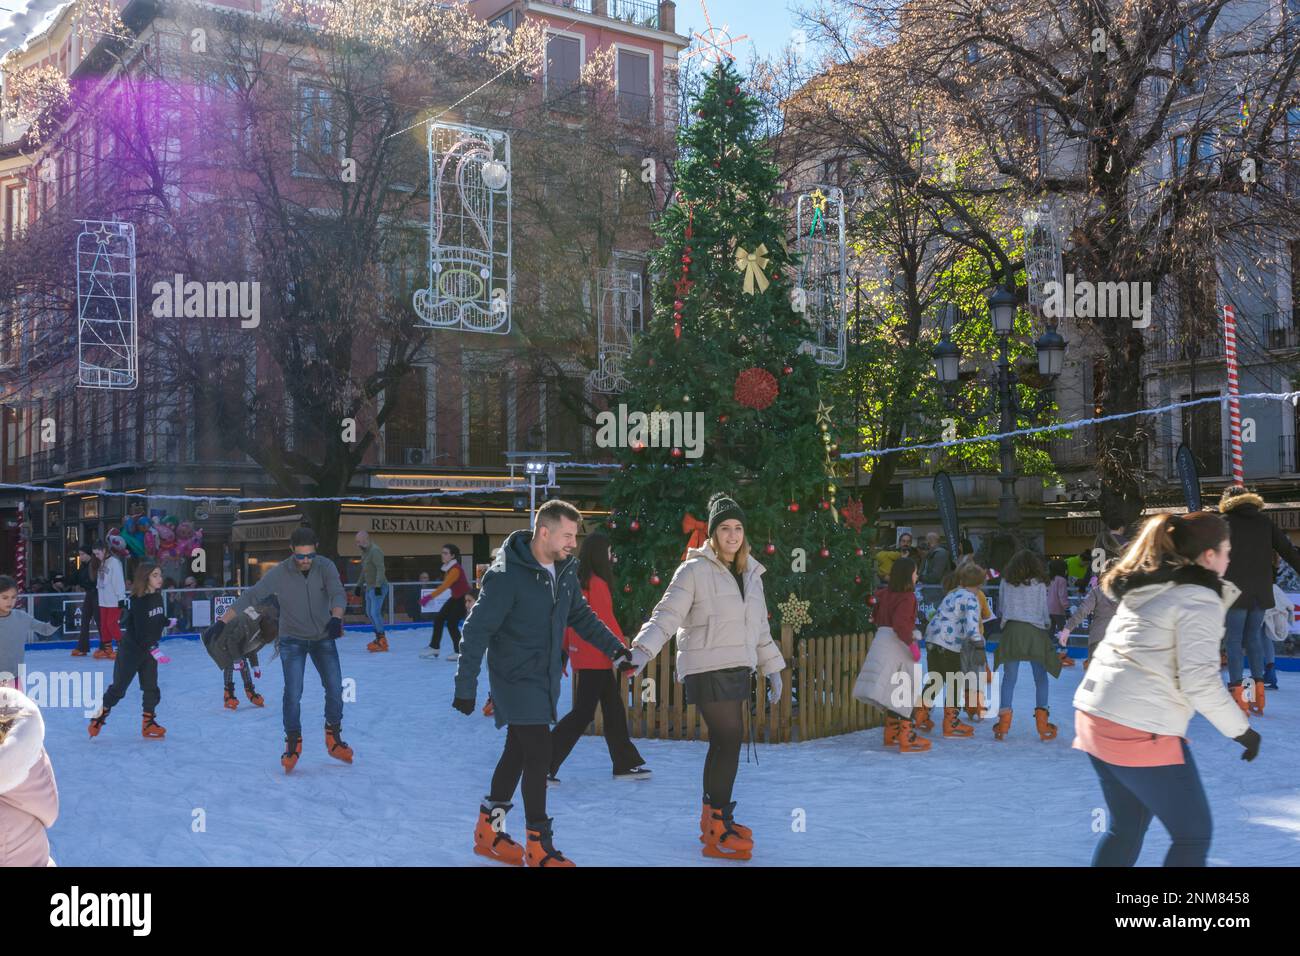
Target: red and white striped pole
[(20, 553), (1234, 405)]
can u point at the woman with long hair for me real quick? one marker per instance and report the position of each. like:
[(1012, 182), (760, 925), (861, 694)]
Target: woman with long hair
[(1022, 601), (453, 611), (595, 680), (146, 617), (1158, 665), (110, 582), (715, 607)]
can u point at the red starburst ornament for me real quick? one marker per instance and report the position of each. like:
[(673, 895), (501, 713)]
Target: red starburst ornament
[(755, 388), (853, 516)]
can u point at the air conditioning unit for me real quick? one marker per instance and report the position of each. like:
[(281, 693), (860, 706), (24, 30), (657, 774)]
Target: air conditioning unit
[(415, 456)]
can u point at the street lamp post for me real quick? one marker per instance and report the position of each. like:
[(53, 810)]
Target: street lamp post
[(1051, 350)]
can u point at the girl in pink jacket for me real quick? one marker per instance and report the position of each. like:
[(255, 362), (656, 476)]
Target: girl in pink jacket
[(29, 797)]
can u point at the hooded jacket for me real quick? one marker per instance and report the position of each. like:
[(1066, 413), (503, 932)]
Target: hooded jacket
[(29, 796), (248, 633), (1159, 662), (305, 600), (715, 626), (1254, 539), (519, 619)]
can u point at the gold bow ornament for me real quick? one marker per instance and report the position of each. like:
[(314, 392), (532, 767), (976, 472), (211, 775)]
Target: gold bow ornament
[(753, 264)]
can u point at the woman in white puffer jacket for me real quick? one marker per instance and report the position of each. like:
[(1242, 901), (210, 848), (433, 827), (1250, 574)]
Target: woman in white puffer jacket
[(1157, 666), (29, 797), (716, 609)]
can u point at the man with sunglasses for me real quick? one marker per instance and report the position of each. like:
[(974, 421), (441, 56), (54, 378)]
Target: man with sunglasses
[(312, 600)]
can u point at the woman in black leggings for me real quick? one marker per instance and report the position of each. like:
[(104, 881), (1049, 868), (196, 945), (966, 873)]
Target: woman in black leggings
[(715, 607), (595, 681)]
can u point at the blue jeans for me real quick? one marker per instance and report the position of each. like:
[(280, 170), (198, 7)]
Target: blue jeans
[(324, 654), (375, 607), (1134, 795), (1245, 627), (1011, 671)]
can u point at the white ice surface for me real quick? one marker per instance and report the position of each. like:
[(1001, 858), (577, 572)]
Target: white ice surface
[(411, 797)]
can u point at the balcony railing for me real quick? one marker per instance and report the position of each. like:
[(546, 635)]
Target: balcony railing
[(1177, 349), (1079, 448), (1280, 334), (643, 13), (1287, 461)]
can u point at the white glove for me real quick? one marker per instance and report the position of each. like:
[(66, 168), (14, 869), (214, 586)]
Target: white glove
[(639, 660), (774, 687)]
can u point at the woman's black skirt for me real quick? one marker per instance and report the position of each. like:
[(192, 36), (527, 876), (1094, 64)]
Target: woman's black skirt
[(730, 683)]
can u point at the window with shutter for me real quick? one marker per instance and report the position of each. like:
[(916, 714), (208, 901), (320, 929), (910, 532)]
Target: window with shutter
[(634, 102)]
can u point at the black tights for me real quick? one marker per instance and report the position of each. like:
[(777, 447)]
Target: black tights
[(527, 754), (726, 733)]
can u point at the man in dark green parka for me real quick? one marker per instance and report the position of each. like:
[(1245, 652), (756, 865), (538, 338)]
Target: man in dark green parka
[(528, 597)]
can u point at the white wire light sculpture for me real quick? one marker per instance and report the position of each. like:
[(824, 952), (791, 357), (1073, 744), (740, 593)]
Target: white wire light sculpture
[(618, 305), (823, 272), (469, 231), (1042, 253), (107, 345)]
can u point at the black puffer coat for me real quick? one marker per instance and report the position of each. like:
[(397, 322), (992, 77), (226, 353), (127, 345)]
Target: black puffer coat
[(1254, 539)]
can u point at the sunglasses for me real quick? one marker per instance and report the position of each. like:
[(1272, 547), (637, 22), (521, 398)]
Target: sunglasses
[(303, 557)]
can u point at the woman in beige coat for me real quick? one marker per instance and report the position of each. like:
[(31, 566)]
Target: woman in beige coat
[(29, 797), (716, 609), (1157, 666)]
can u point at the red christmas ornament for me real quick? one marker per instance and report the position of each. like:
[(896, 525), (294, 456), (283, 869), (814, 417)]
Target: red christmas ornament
[(755, 388), (609, 524), (770, 549), (678, 304), (857, 552), (627, 589), (652, 363), (654, 579), (824, 505), (825, 552), (871, 600), (857, 579), (722, 419), (730, 102), (737, 89), (686, 260), (676, 453), (638, 446), (635, 526), (794, 506), (787, 370)]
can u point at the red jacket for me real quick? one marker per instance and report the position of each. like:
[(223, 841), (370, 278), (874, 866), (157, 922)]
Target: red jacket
[(582, 656), (896, 609)]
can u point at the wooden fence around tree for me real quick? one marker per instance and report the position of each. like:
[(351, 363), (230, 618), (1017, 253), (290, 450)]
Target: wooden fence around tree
[(816, 696)]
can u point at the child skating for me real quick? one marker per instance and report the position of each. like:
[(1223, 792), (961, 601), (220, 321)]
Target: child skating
[(16, 629)]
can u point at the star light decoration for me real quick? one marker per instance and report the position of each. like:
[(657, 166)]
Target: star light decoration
[(794, 612), (715, 40)]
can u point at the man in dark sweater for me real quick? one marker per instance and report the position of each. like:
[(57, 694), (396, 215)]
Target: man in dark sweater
[(1254, 540), (312, 600)]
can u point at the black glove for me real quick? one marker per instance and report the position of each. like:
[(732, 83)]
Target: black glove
[(334, 628), (379, 592), (464, 704), (1249, 740), (622, 658)]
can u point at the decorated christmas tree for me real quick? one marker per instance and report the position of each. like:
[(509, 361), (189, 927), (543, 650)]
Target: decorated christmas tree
[(724, 347)]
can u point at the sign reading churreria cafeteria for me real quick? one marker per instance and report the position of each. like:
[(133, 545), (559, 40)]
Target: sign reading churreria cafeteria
[(444, 482)]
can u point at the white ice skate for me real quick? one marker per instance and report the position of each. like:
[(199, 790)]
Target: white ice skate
[(429, 653), (453, 656)]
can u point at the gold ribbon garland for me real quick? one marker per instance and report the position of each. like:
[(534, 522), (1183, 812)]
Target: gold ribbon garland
[(753, 264)]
